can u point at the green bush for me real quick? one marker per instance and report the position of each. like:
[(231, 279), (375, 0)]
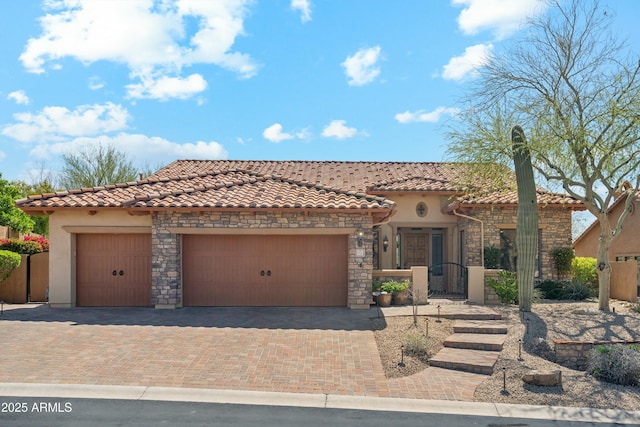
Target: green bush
[(617, 363), (28, 247), (562, 259), (393, 286), (584, 270), (505, 286), (8, 262), (492, 256), (578, 291), (552, 289), (376, 285), (574, 290)]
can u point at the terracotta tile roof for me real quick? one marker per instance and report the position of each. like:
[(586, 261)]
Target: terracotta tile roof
[(228, 189), (421, 184), (346, 176), (511, 198), (211, 184)]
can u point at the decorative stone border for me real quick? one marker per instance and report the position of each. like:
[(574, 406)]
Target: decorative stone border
[(573, 354)]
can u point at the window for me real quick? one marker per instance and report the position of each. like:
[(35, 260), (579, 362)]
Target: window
[(509, 260), (421, 209)]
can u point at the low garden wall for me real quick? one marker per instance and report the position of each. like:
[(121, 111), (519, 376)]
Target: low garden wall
[(417, 277), (574, 354), (490, 296)]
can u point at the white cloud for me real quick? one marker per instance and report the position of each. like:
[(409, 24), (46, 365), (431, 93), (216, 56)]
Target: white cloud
[(361, 68), (337, 129), (140, 147), (274, 133), (2, 156), (428, 117), (166, 87), (502, 17), (304, 6), (95, 83), (56, 123), (19, 96), (149, 36), (467, 64)]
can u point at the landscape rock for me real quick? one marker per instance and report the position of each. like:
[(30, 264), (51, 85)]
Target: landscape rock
[(543, 378)]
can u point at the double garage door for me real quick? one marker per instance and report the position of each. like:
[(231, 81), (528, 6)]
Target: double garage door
[(218, 270), (264, 270)]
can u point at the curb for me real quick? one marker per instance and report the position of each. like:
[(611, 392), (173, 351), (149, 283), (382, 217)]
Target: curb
[(323, 401)]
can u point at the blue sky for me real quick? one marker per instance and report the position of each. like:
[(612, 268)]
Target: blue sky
[(241, 79)]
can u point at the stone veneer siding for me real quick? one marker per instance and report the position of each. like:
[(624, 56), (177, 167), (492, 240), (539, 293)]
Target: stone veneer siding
[(554, 224), (166, 273)]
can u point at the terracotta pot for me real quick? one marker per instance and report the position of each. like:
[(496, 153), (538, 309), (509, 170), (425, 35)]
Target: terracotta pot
[(401, 298), (384, 300)]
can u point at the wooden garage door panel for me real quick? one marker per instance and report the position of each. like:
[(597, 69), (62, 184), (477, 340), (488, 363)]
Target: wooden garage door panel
[(99, 255), (225, 270), (308, 270)]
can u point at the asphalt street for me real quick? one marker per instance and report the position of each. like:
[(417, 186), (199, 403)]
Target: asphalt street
[(37, 412)]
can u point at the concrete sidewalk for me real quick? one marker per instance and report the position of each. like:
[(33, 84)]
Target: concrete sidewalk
[(326, 401)]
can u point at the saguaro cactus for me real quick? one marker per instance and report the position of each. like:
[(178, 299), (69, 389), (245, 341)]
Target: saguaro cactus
[(527, 227)]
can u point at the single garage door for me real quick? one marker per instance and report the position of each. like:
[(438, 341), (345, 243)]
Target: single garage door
[(226, 270), (113, 270)]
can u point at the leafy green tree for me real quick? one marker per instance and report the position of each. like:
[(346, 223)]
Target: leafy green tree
[(94, 166), (10, 215), (577, 89), (40, 222)]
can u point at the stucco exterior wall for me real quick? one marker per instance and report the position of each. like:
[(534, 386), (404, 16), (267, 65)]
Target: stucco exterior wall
[(554, 225), (627, 244), (63, 227), (168, 226), (406, 216)]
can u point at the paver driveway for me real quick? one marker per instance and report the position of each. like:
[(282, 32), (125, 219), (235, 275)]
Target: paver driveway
[(307, 350)]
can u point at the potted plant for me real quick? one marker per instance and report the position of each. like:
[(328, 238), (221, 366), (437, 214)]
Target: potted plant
[(399, 290)]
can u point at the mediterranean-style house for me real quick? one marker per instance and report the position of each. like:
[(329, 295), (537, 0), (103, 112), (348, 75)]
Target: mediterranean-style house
[(267, 233)]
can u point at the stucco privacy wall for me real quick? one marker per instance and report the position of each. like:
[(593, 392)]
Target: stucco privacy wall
[(168, 226), (554, 225), (63, 228)]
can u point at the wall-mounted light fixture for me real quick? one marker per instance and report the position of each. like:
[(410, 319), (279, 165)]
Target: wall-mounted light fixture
[(385, 243), (360, 238)]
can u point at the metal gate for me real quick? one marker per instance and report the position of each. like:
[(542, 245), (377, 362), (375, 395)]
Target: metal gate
[(448, 280)]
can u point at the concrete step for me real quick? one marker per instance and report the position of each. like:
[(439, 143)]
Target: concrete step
[(486, 342), (480, 327), (470, 316), (459, 359)]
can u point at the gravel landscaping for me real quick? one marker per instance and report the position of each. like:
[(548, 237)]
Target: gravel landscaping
[(548, 321)]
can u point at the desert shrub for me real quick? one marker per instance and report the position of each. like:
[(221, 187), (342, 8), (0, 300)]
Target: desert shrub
[(584, 270), (8, 262), (617, 363), (492, 256), (418, 346), (505, 286), (393, 286), (28, 247), (636, 307), (578, 291), (562, 259), (552, 289)]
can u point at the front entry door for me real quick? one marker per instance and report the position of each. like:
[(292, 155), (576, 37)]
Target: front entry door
[(416, 249)]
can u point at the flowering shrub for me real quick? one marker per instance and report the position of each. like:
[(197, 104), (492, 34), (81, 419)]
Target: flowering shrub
[(28, 247), (44, 242)]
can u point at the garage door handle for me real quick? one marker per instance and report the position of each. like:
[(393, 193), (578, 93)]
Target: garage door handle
[(262, 273), (269, 273), (122, 272)]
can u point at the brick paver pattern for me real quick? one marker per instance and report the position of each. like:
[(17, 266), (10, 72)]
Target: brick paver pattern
[(300, 350)]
